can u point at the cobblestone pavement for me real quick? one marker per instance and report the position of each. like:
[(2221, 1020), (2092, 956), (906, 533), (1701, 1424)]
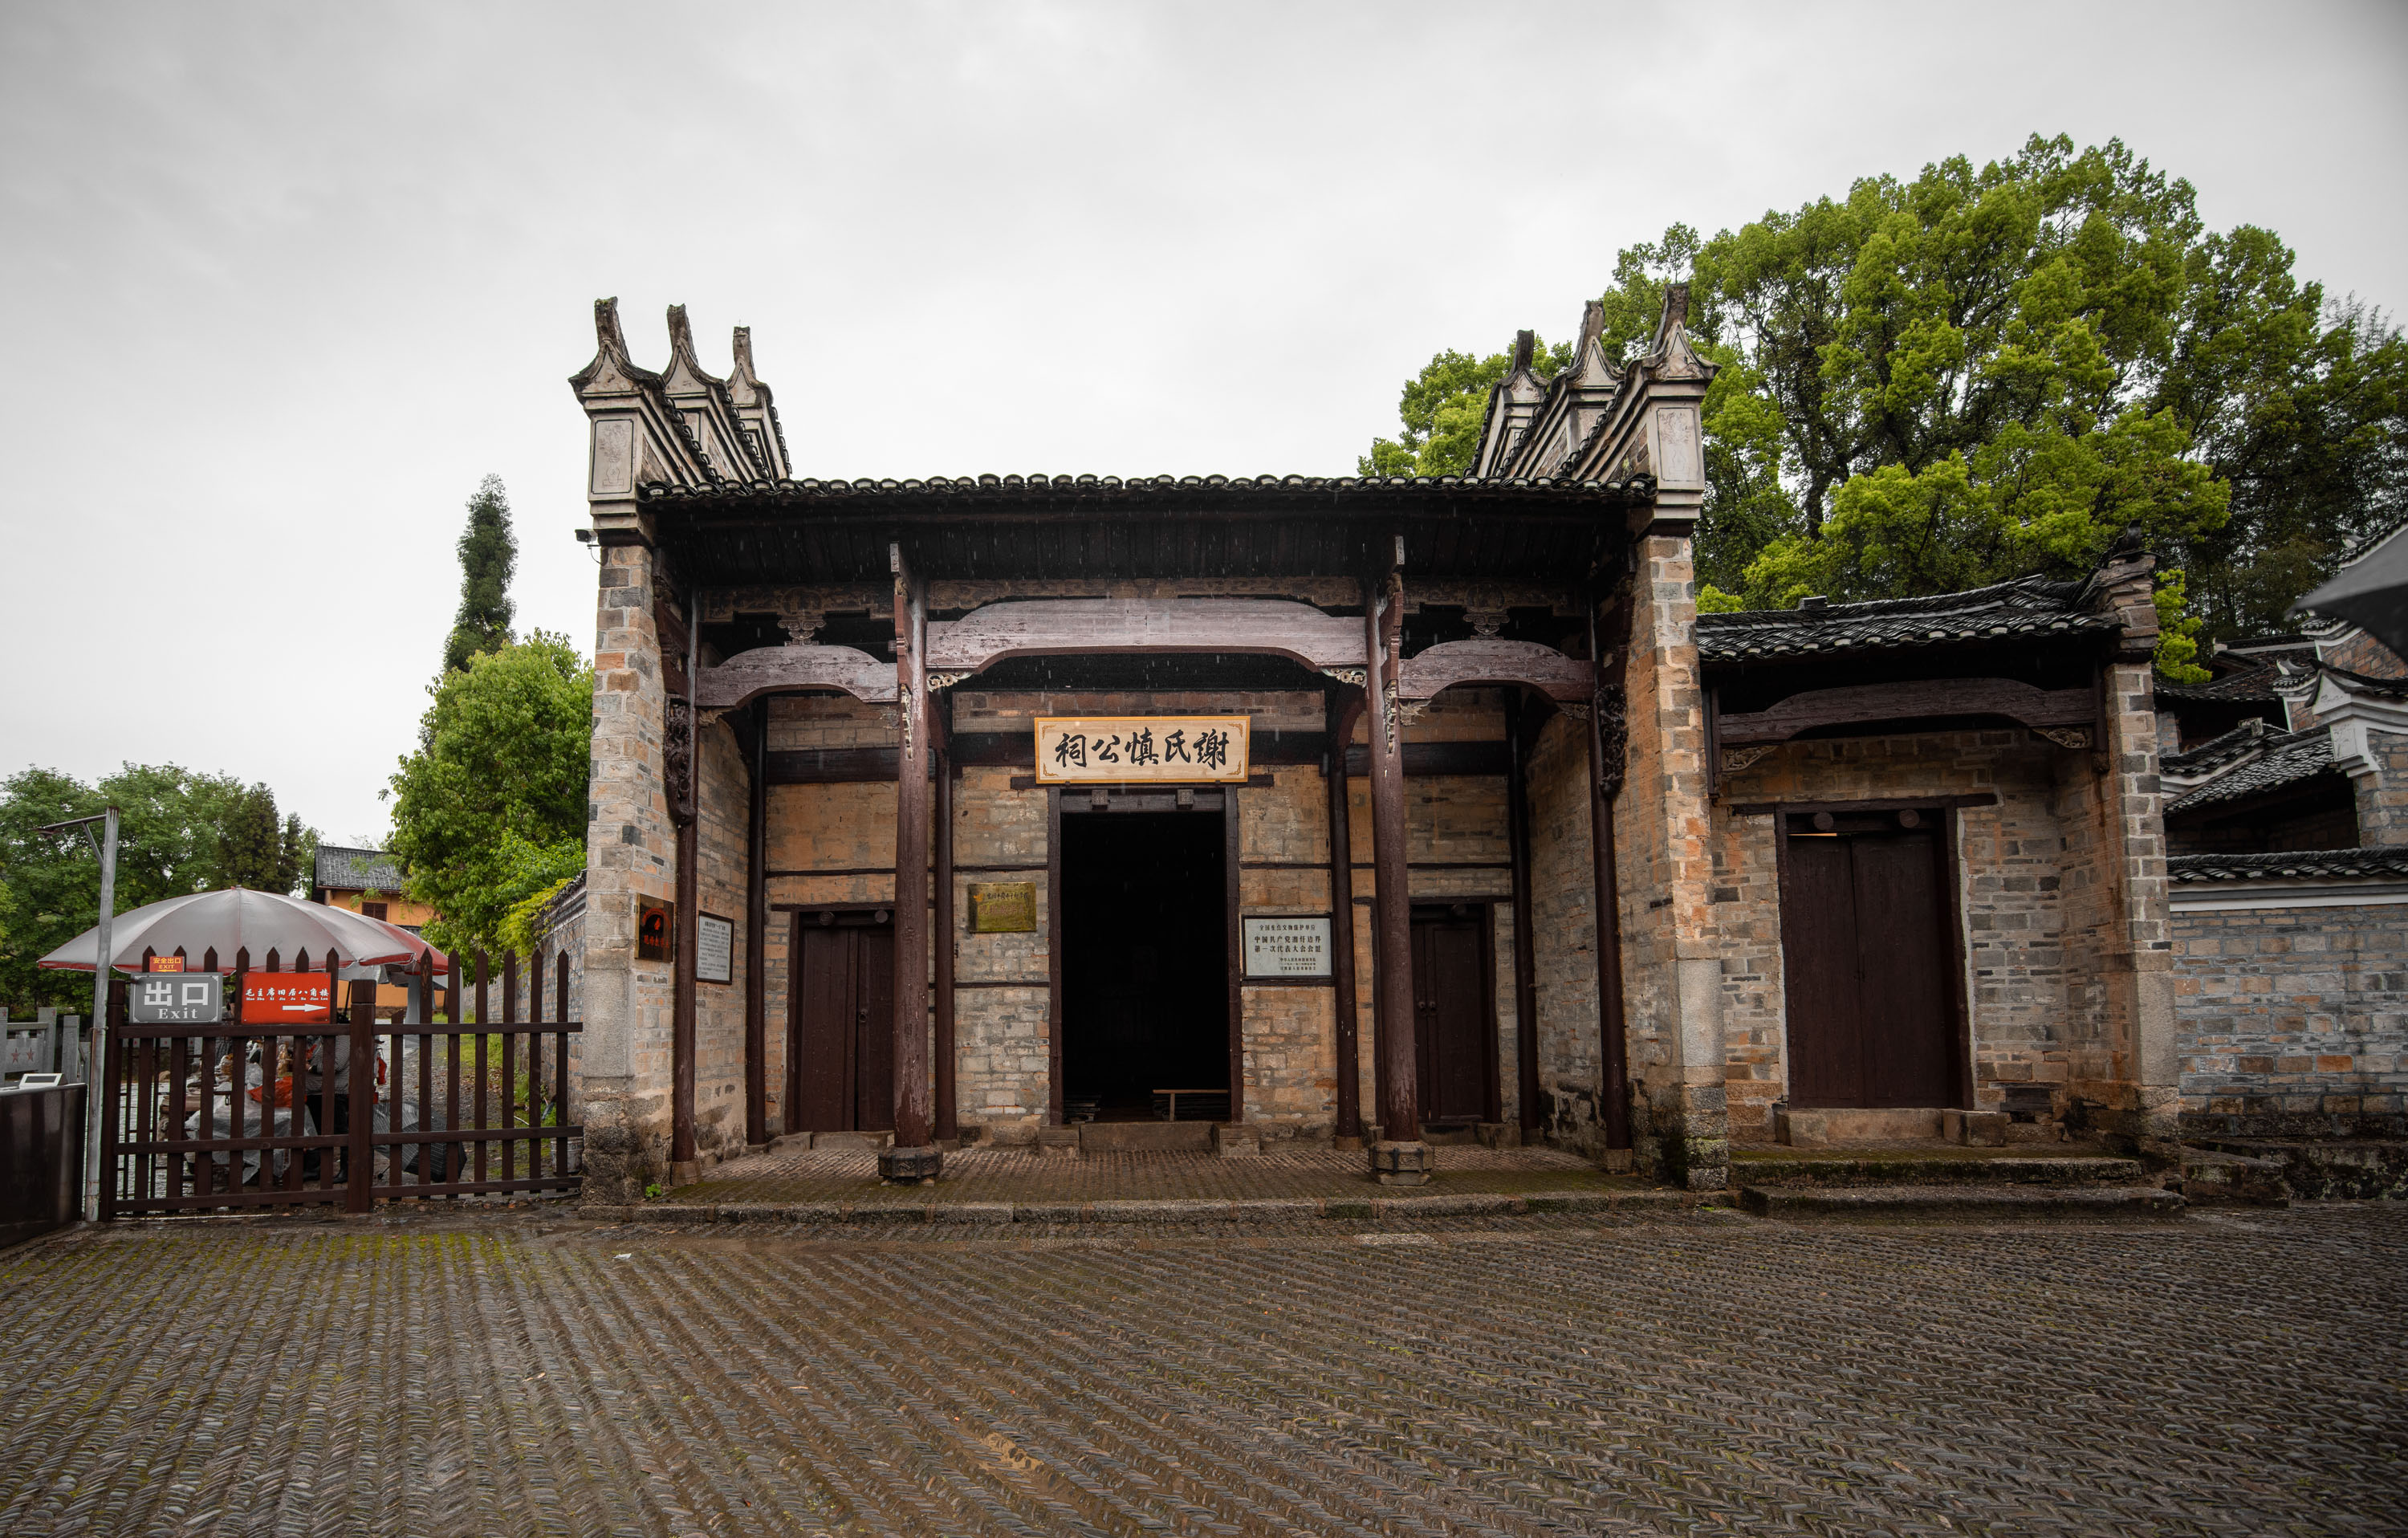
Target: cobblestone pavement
[(787, 1177), (1698, 1374)]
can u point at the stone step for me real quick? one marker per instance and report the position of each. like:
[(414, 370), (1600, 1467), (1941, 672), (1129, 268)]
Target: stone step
[(1145, 1137), (2210, 1177), (1874, 1167), (2325, 1168), (1810, 1202)]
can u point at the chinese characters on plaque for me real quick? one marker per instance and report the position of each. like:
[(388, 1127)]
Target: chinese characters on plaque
[(178, 999), (1003, 907), (300, 997), (714, 948), (1287, 947), (1132, 749)]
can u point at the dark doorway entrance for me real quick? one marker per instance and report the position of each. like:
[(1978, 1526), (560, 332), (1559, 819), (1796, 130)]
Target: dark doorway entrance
[(1145, 962), (840, 1023), (1454, 1036), (1865, 921)]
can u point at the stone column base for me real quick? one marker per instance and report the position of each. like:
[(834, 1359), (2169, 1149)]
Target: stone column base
[(910, 1166), (1401, 1163)]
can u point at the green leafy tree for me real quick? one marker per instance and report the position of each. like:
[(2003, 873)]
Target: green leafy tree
[(178, 833), (1443, 407), (491, 808), (489, 554), (1987, 372)]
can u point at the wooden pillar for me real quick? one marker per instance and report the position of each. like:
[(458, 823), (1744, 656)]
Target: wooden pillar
[(1344, 709), (1400, 1158), (914, 1157), (1608, 736), (948, 1126), (756, 941), (1522, 723), (685, 789)]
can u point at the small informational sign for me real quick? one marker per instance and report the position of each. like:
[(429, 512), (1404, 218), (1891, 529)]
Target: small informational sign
[(298, 998), (1003, 907), (1085, 750), (655, 929), (175, 999), (165, 964), (1287, 947), (714, 949)]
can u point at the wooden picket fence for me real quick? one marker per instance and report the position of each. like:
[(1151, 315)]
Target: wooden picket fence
[(234, 1115)]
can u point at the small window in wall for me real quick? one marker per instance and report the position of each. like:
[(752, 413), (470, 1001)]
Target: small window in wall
[(373, 910)]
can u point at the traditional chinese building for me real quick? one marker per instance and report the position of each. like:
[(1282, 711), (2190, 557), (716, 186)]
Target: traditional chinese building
[(1495, 837)]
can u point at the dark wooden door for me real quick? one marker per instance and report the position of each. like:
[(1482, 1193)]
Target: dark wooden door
[(1454, 1046), (840, 1028), (1864, 929)]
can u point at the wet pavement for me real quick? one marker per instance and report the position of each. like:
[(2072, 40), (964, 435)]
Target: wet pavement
[(1679, 1371)]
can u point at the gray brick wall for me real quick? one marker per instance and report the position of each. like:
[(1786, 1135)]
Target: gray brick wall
[(2293, 1020)]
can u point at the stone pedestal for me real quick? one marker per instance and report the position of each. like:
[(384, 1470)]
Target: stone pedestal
[(910, 1166), (1401, 1163), (1235, 1141)]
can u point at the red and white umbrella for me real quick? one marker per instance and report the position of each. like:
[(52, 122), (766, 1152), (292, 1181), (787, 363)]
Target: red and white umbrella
[(238, 919)]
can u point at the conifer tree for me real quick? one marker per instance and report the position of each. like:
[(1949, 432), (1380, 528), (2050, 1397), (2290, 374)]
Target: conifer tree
[(489, 553)]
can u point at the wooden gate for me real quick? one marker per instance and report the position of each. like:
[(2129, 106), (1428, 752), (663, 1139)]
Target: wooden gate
[(1867, 941), (238, 1115), (841, 1024)]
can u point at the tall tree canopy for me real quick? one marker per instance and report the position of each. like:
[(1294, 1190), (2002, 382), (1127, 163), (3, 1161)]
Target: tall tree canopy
[(490, 809), (489, 554), (178, 832), (1984, 373)]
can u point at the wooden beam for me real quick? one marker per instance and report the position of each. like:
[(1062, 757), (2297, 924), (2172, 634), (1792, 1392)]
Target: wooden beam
[(1344, 709), (1233, 881), (1494, 662), (1523, 723), (947, 928), (1082, 626), (914, 1156), (750, 675), (829, 766), (756, 944), (1054, 957), (1861, 704), (1401, 1157)]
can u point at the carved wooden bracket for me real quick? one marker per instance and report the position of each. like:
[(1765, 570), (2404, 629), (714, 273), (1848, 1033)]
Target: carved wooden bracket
[(777, 670), (677, 761), (1562, 679), (1865, 703), (1736, 759)]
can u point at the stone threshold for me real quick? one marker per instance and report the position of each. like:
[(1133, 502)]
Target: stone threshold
[(1181, 1210), (2018, 1200)]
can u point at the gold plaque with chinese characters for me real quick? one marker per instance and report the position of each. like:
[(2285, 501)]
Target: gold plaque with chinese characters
[(1003, 907), (1112, 750)]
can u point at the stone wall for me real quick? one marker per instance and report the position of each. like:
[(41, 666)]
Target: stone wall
[(1563, 923), (623, 1062), (2293, 1020), (2382, 795), (1002, 1030), (1672, 957), (723, 792)]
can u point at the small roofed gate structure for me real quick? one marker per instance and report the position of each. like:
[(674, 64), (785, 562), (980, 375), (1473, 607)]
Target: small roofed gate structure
[(818, 710), (461, 1094)]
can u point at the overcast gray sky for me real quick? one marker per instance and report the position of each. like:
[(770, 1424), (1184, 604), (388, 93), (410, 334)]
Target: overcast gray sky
[(280, 283)]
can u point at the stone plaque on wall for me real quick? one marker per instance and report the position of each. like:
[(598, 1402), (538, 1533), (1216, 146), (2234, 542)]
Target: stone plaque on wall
[(714, 949), (1132, 749), (1003, 907), (1287, 947)]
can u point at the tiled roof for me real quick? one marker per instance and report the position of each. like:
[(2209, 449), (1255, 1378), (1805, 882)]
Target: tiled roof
[(1106, 487), (2286, 758), (356, 870), (2360, 683), (2248, 684), (2309, 863), (2217, 751), (2028, 607)]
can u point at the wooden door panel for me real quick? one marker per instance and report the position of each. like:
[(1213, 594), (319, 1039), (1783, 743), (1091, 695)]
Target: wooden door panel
[(1819, 949), (873, 1084), (821, 1039), (1902, 968), (1452, 1020)]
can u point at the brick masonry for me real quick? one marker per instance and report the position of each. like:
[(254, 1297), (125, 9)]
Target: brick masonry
[(2293, 1020)]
